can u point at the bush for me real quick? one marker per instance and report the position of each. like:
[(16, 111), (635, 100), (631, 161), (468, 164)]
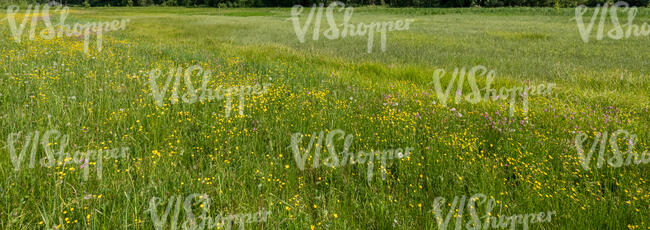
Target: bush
[(86, 4), (169, 3), (19, 3)]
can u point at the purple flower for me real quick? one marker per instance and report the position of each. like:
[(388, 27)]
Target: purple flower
[(84, 164)]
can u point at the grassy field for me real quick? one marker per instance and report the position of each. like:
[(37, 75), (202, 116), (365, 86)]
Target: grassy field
[(245, 163)]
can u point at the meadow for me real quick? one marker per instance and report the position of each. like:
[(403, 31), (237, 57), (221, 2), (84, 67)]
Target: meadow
[(244, 162)]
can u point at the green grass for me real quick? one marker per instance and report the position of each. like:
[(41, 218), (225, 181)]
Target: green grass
[(245, 163)]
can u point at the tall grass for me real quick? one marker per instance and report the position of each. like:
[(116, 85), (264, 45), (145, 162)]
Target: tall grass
[(245, 163)]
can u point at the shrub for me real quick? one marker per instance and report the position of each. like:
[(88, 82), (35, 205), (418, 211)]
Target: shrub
[(169, 3)]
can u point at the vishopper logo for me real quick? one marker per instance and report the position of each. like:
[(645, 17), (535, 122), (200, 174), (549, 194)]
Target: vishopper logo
[(206, 94), (619, 31), (316, 142), (458, 207), (50, 31), (490, 94), (31, 142), (619, 157), (344, 29), (202, 201)]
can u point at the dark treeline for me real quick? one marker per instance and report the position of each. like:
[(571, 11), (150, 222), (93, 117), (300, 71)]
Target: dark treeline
[(289, 3)]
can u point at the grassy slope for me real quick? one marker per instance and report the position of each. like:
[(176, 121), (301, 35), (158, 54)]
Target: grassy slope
[(241, 162)]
